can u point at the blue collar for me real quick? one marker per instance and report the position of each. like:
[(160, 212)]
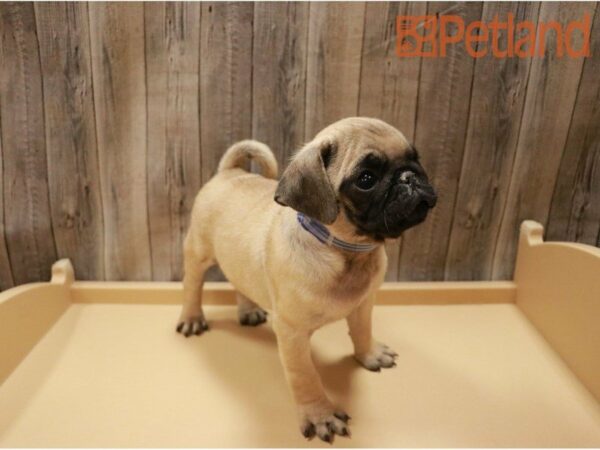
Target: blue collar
[(318, 230)]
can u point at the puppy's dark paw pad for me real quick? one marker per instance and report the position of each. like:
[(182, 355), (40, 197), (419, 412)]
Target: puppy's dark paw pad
[(342, 416), (190, 327), (326, 426), (253, 317), (308, 430)]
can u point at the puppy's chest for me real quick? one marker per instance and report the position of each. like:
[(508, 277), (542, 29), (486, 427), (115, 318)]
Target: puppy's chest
[(355, 280), (343, 292), (334, 286)]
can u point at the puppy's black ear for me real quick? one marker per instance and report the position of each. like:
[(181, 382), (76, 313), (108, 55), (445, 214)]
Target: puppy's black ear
[(305, 186)]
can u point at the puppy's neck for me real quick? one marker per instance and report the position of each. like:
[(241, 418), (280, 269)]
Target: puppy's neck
[(338, 238), (345, 275), (343, 229)]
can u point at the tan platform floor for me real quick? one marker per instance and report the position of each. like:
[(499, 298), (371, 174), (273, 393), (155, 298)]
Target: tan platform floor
[(118, 375)]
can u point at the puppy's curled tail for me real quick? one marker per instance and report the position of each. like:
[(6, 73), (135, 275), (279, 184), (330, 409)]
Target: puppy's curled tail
[(238, 153)]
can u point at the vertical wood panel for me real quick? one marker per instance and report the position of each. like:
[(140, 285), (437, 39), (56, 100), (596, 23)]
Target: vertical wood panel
[(575, 211), (389, 85), (495, 117), (443, 111), (117, 42), (335, 36), (6, 277), (27, 221), (73, 174), (225, 79), (174, 171), (225, 83), (279, 71), (549, 105)]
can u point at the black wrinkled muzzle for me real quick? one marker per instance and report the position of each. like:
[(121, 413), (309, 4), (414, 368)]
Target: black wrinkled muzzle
[(407, 203)]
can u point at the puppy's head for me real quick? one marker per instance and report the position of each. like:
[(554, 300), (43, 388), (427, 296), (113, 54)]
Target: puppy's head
[(362, 171)]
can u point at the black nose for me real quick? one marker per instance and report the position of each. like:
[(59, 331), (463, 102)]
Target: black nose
[(421, 187)]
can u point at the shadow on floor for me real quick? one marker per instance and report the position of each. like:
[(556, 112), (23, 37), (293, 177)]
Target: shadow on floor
[(247, 362)]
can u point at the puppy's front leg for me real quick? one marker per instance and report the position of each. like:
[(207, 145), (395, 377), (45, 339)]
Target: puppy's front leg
[(371, 354), (316, 413)]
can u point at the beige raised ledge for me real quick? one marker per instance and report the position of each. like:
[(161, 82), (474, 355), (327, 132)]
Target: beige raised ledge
[(501, 364)]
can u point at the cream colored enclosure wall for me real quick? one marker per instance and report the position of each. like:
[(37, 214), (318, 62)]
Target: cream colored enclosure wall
[(558, 289), (80, 358), (556, 286)]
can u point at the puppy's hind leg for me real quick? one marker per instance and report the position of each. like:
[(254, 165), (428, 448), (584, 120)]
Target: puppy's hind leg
[(249, 313), (192, 321)]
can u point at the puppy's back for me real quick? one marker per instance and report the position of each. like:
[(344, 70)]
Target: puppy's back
[(234, 197)]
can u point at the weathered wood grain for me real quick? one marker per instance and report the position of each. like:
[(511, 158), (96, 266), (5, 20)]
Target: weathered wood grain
[(279, 72), (6, 277), (225, 83), (389, 85), (117, 44), (28, 227), (549, 103), (225, 79), (73, 175), (113, 115), (443, 112), (575, 209), (497, 101), (172, 35), (335, 35)]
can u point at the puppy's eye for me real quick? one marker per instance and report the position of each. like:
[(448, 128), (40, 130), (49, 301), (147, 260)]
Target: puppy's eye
[(366, 180)]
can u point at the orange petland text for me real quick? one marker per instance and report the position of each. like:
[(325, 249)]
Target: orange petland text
[(432, 36)]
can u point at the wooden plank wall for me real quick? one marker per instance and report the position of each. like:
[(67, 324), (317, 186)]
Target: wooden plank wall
[(112, 116)]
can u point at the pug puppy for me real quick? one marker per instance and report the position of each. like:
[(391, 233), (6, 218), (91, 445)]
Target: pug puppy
[(309, 248)]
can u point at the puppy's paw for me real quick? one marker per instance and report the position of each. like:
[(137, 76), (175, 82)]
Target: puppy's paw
[(324, 422), (252, 317), (379, 356), (192, 326)]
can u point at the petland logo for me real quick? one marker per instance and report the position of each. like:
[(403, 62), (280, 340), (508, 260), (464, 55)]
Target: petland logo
[(430, 37)]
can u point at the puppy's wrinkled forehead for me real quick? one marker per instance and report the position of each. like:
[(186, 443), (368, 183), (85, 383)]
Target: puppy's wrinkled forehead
[(355, 137)]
